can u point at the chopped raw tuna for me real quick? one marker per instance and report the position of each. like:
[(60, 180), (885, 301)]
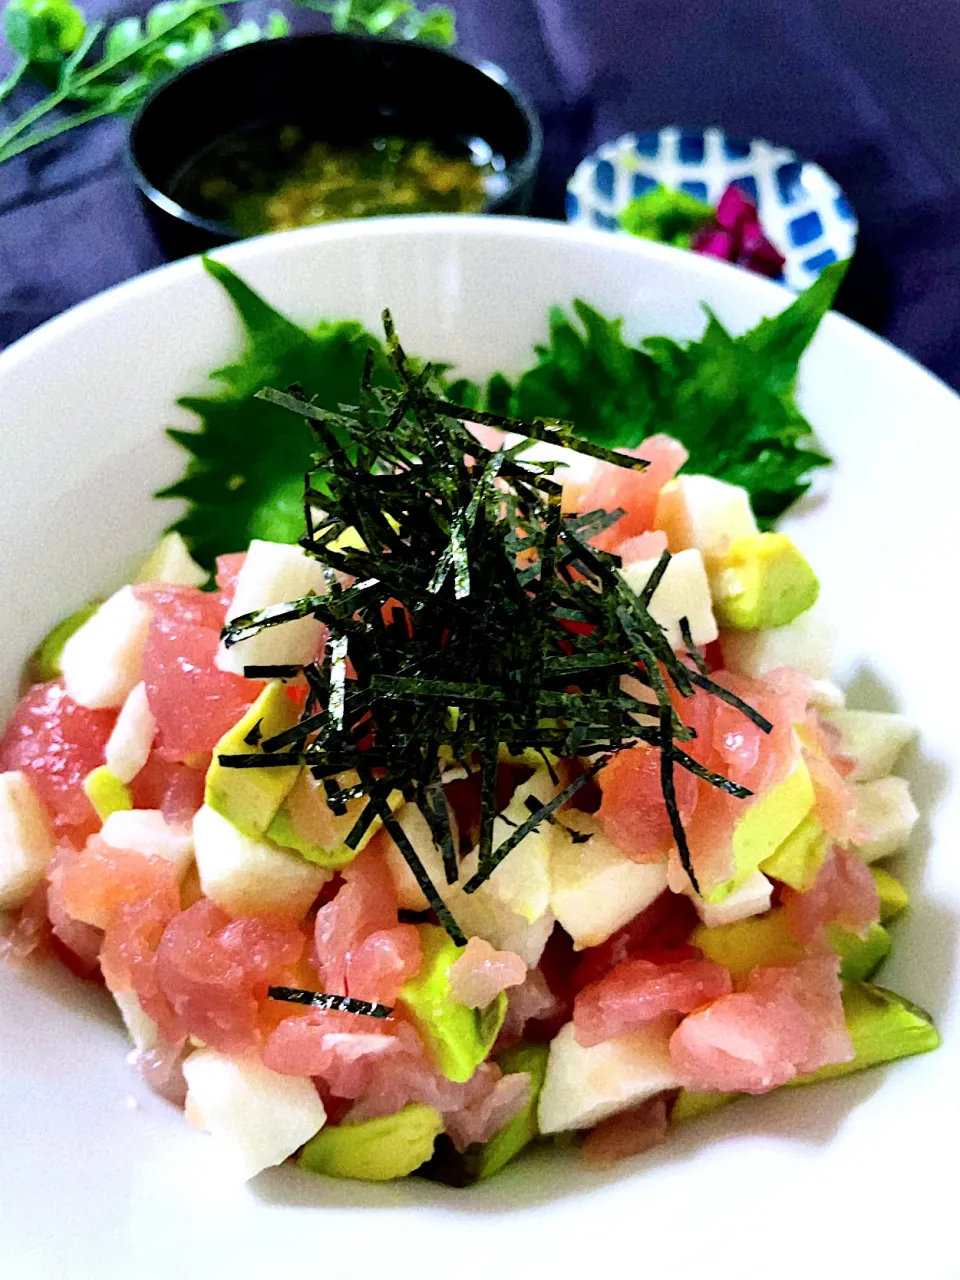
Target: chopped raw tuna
[(835, 799), (632, 811), (485, 1114), (609, 487), (215, 971), (27, 936), (628, 1133), (784, 1022), (75, 941), (57, 743), (637, 992), (383, 962), (482, 972), (194, 703), (341, 1048), (93, 883), (844, 893), (531, 1001), (175, 789), (659, 933), (365, 904), (128, 960)]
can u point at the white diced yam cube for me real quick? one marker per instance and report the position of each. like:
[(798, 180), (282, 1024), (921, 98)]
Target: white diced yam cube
[(886, 810), (584, 1086), (481, 913), (101, 661), (129, 744), (683, 592), (873, 738), (141, 1028), (256, 1116), (147, 831), (410, 896), (595, 889), (752, 898), (522, 880), (704, 513), (274, 573), (806, 644), (27, 841), (246, 877)]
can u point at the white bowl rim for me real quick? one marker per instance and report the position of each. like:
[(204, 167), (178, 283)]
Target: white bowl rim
[(768, 294)]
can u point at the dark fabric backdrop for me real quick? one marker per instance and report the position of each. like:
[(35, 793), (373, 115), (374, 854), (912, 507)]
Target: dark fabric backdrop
[(870, 88)]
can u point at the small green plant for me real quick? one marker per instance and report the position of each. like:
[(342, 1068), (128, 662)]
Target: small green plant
[(92, 70)]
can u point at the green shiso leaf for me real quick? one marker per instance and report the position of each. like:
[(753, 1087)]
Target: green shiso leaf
[(729, 401), (244, 479)]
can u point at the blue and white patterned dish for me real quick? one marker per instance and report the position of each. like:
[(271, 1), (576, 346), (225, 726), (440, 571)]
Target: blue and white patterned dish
[(802, 210)]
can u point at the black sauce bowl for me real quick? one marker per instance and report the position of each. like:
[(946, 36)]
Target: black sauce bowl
[(343, 89)]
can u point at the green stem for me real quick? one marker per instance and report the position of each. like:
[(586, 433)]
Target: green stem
[(13, 79), (71, 85), (47, 104), (44, 135)]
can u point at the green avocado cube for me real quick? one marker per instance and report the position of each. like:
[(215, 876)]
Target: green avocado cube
[(797, 861), (250, 798), (375, 1150), (281, 832), (883, 1027), (458, 1037), (106, 792), (893, 896), (766, 825), (760, 581), (860, 958), (691, 1106), (44, 663)]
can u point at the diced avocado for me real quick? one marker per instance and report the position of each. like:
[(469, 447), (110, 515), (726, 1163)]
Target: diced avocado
[(893, 896), (860, 958), (691, 1106), (250, 798), (349, 540), (529, 757), (766, 825), (798, 859), (459, 1038), (281, 832), (326, 831), (522, 1129), (375, 1150), (171, 562), (761, 581), (883, 1027), (106, 792), (743, 945), (44, 663)]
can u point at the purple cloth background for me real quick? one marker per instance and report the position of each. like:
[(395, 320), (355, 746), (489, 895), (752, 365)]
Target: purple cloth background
[(870, 88)]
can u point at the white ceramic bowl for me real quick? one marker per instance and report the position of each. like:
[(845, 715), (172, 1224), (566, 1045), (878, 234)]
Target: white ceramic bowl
[(100, 1180)]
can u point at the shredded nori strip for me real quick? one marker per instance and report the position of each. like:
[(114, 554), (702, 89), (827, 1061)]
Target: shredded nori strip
[(322, 1000), (476, 614), (274, 671)]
